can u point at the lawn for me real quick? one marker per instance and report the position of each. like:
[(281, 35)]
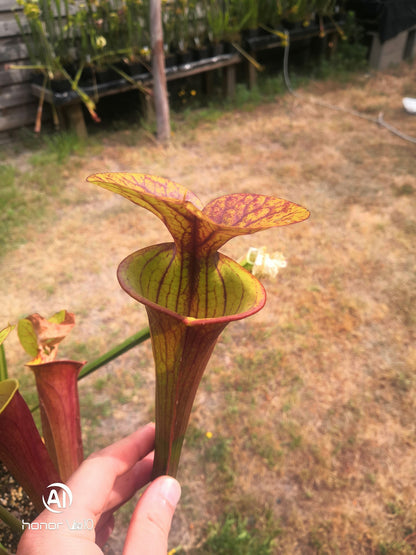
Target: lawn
[(302, 437)]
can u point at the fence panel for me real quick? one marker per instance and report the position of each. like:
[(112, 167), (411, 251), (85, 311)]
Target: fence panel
[(17, 105)]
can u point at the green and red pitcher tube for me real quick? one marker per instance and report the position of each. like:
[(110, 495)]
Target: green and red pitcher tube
[(57, 387), (21, 447), (190, 290)]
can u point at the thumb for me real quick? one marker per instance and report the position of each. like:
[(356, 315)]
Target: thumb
[(150, 524)]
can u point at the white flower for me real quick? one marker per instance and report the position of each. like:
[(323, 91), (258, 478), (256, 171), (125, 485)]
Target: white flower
[(264, 265)]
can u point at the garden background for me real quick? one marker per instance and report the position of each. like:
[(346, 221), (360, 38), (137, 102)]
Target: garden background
[(302, 437)]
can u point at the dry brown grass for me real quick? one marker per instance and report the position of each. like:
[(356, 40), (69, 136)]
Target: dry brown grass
[(312, 402)]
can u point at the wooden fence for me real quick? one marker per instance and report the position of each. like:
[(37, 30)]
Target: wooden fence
[(17, 104)]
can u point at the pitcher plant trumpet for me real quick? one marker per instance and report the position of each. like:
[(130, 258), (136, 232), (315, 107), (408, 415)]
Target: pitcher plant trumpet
[(190, 290)]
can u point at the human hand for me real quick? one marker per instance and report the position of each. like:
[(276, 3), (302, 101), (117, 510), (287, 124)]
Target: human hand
[(104, 482)]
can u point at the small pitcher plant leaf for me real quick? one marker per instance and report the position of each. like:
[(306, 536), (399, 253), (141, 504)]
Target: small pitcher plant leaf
[(27, 337), (5, 332), (190, 290), (3, 362), (60, 317), (40, 337)]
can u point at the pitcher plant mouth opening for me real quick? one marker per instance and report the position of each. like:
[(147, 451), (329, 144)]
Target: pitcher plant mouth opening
[(57, 387), (190, 290), (234, 307)]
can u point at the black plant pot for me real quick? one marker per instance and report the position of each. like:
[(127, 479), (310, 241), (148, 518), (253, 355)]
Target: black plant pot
[(71, 69), (185, 57), (171, 60), (60, 85), (217, 49), (107, 76), (132, 68), (200, 53), (87, 78), (37, 78), (292, 25), (229, 48), (248, 34)]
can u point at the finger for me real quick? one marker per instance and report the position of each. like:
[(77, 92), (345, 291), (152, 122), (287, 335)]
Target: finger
[(150, 524), (126, 485), (123, 454), (92, 483), (124, 488), (104, 528), (91, 487)]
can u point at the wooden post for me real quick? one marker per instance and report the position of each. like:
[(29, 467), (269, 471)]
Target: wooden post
[(158, 69), (230, 80), (76, 121)]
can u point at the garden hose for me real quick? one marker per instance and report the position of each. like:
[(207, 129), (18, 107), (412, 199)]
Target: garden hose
[(378, 120)]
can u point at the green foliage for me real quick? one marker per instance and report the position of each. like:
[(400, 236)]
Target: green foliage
[(212, 108), (245, 98), (218, 451), (301, 10), (58, 148), (26, 196), (5, 332), (7, 189), (3, 362), (94, 412), (218, 20), (246, 13), (350, 54), (393, 548), (264, 444), (95, 33), (12, 204), (58, 318), (27, 337), (235, 535)]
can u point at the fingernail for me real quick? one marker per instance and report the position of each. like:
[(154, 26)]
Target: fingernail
[(171, 491)]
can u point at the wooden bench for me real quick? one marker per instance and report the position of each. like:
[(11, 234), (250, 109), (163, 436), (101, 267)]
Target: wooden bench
[(69, 105)]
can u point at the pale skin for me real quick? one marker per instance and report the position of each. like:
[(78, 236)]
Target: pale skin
[(104, 482)]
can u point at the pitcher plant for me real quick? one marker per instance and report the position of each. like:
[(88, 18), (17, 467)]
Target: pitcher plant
[(189, 289)]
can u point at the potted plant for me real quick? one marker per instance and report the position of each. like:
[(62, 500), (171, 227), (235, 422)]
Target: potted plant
[(246, 15), (218, 22), (54, 65), (182, 31)]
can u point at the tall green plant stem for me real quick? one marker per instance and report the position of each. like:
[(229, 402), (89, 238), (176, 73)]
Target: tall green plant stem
[(115, 352), (12, 522), (3, 364)]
